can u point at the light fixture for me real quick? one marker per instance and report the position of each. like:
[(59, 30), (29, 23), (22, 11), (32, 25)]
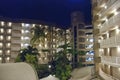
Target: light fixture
[(2, 23), (9, 24)]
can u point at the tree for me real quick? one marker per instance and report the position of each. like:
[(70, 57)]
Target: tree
[(26, 53), (38, 34), (61, 64)]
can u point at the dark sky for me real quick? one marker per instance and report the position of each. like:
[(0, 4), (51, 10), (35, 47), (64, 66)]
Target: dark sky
[(56, 11)]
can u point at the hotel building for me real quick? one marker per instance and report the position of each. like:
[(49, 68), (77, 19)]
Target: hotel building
[(16, 35), (106, 22), (82, 37)]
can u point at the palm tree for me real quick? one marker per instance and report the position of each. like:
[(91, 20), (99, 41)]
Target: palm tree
[(38, 34), (30, 50)]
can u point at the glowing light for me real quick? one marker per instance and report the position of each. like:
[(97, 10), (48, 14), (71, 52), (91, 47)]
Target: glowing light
[(1, 37), (2, 23), (9, 24), (0, 51), (33, 25), (2, 30), (8, 58), (23, 24), (0, 58), (9, 30)]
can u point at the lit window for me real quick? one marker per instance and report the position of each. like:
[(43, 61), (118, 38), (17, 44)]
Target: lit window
[(45, 39), (22, 37), (26, 38), (9, 24), (9, 30), (2, 23), (27, 25), (22, 45), (0, 58), (8, 44), (45, 45), (1, 37), (39, 45), (0, 51), (22, 31), (91, 40), (26, 31), (8, 58), (1, 30), (46, 26), (26, 44), (33, 25), (23, 24), (53, 46), (8, 51), (53, 39), (9, 37)]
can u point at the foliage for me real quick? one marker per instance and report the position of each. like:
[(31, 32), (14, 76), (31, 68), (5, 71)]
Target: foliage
[(30, 51), (61, 64), (38, 34), (42, 70), (30, 58)]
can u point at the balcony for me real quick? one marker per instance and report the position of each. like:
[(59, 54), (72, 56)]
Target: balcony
[(110, 42), (109, 4), (111, 60), (110, 23), (106, 76)]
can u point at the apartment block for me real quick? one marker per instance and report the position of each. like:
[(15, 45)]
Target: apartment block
[(82, 37), (106, 22), (16, 35)]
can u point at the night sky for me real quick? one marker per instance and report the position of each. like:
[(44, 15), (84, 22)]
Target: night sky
[(54, 11)]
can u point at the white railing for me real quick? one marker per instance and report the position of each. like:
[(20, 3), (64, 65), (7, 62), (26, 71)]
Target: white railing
[(110, 23), (111, 60), (106, 76), (110, 42), (108, 5)]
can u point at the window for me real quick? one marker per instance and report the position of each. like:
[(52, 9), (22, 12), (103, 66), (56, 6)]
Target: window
[(81, 46), (81, 39), (2, 30), (81, 33)]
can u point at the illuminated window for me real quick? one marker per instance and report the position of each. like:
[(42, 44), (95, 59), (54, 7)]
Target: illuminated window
[(0, 51), (2, 23), (8, 58), (0, 58), (26, 31), (45, 45), (8, 51), (40, 45), (10, 24), (9, 31), (26, 38), (45, 39), (22, 31), (8, 44), (23, 24), (26, 44), (9, 37), (33, 25), (22, 37), (1, 37), (27, 25), (2, 30), (21, 45)]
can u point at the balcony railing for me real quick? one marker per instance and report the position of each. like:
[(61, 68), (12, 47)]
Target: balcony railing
[(108, 4), (110, 42), (110, 23), (106, 76), (111, 60)]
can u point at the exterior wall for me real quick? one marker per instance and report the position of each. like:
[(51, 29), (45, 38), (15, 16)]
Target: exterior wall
[(106, 22)]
